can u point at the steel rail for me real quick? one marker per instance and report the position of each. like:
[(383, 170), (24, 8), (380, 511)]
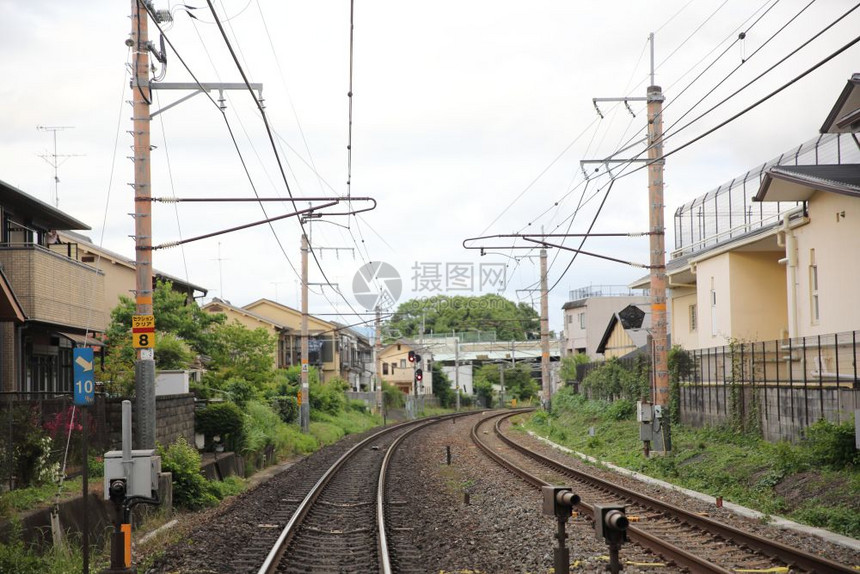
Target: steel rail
[(385, 561), (669, 551), (790, 556), (276, 553)]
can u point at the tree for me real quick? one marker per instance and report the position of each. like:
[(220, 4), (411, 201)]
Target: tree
[(569, 364), (442, 386), (241, 353), (490, 312), (173, 314), (519, 383)]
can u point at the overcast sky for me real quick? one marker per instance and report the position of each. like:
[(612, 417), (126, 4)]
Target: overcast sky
[(470, 118)]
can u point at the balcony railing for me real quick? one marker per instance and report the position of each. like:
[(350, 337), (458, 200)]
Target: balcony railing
[(53, 287)]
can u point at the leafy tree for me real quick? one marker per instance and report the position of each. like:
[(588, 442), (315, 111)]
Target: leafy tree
[(173, 314), (569, 363), (171, 352), (443, 314), (484, 391), (519, 382), (442, 386), (241, 353)]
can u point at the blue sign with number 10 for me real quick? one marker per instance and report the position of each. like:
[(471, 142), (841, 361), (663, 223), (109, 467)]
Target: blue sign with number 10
[(84, 379)]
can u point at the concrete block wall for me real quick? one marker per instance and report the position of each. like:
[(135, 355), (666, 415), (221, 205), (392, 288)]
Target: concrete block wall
[(174, 418), (784, 412)]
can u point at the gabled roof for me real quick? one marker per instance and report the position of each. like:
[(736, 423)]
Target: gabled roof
[(123, 260), (10, 307), (636, 322), (799, 182), (38, 212), (327, 326), (215, 306), (845, 115)]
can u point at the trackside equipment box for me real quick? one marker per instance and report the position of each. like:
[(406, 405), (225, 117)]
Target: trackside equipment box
[(143, 474)]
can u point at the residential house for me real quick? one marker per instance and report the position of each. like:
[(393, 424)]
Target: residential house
[(627, 334), (50, 302), (774, 254), (282, 356), (119, 271), (589, 310), (398, 371), (356, 358), (323, 351)]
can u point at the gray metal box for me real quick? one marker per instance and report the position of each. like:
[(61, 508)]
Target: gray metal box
[(142, 473)]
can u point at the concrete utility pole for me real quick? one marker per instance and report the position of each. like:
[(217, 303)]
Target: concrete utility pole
[(661, 441), (502, 385), (457, 369), (304, 412), (377, 349), (144, 371), (544, 332)]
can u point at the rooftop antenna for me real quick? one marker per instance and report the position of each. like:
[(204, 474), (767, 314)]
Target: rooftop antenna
[(55, 160), (221, 274)]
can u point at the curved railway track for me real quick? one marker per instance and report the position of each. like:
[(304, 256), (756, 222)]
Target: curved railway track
[(691, 541), (340, 525)]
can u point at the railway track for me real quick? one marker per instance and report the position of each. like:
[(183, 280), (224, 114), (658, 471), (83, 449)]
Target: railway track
[(691, 541), (340, 524)]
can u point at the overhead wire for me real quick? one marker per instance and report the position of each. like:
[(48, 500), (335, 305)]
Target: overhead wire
[(272, 142)]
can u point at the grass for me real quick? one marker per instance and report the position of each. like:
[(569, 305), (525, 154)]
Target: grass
[(773, 478)]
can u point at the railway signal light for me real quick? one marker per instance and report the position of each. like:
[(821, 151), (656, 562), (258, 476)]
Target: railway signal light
[(611, 522), (419, 375), (411, 356)]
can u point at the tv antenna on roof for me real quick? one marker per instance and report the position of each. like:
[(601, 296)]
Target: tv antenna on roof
[(55, 159)]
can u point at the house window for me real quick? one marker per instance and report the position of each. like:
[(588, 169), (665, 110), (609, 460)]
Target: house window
[(393, 366), (813, 288), (582, 320), (402, 363), (694, 318), (384, 368), (569, 319)]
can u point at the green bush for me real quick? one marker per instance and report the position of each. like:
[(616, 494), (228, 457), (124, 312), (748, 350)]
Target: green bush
[(328, 397), (621, 410), (394, 397), (191, 490), (357, 405), (611, 380), (240, 391), (831, 445), (224, 419), (287, 407), (230, 486)]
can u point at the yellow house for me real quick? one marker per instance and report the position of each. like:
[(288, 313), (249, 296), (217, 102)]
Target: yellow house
[(398, 371), (281, 357), (120, 277), (323, 348), (627, 332)]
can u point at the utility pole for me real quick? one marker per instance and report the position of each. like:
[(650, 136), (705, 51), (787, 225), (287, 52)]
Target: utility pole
[(544, 333), (304, 412), (661, 441), (502, 385), (377, 350), (457, 369), (144, 372)]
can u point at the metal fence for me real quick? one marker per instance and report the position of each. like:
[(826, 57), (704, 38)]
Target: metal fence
[(39, 431), (790, 384), (728, 212)]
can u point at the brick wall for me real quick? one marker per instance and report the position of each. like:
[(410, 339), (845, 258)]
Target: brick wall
[(7, 357), (174, 418)]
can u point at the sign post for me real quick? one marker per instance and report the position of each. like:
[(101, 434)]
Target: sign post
[(84, 397)]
